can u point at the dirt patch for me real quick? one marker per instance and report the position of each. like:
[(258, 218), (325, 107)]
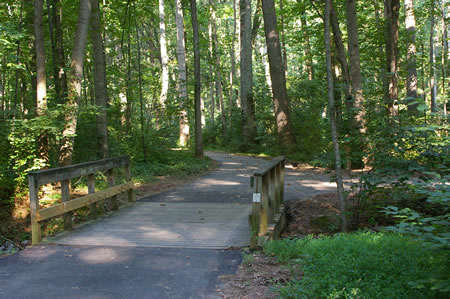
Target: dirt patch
[(255, 278), (316, 215)]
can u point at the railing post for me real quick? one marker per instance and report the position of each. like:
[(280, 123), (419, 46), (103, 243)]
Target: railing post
[(65, 196), (34, 207), (112, 183), (278, 186), (256, 209), (91, 189), (128, 178), (272, 195), (265, 209)]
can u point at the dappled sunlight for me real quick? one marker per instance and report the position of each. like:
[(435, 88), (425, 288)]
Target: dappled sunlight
[(218, 182), (101, 256)]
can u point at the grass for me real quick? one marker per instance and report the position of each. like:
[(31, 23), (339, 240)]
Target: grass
[(359, 265)]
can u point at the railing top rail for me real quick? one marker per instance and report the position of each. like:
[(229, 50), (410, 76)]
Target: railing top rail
[(263, 170), (43, 177)]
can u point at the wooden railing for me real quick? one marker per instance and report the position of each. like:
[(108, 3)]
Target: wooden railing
[(268, 215), (64, 175)]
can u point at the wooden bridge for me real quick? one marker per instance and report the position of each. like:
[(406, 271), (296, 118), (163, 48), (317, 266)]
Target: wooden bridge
[(219, 210)]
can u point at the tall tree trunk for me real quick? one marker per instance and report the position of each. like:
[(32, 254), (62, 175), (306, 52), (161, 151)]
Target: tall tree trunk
[(433, 85), (41, 78), (59, 45), (283, 38), (99, 79), (210, 73), (164, 58), (355, 67), (141, 98), (391, 11), (277, 74), (198, 112), (232, 71), (74, 92), (246, 76), (331, 108), (307, 46), (342, 58), (181, 53), (411, 80), (217, 65), (445, 54)]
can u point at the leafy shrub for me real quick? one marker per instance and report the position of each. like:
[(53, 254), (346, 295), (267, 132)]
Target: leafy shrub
[(359, 265)]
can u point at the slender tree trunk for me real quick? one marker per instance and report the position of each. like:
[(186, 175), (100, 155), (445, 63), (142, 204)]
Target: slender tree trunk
[(181, 53), (391, 9), (99, 79), (210, 73), (445, 53), (59, 47), (342, 58), (246, 76), (217, 61), (277, 74), (141, 98), (74, 92), (198, 112), (164, 58), (331, 108), (18, 53), (411, 80), (41, 78), (355, 67), (232, 71), (433, 85), (128, 88), (307, 46)]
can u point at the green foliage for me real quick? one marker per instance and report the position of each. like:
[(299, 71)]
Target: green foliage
[(175, 162), (358, 265)]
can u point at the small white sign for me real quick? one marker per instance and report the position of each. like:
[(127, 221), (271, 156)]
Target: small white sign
[(256, 197)]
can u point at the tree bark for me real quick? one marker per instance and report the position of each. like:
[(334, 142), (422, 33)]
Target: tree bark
[(433, 85), (342, 58), (391, 12), (74, 92), (355, 67), (141, 98), (277, 74), (164, 58), (411, 79), (246, 76), (41, 78), (308, 53), (217, 65), (181, 53), (283, 39), (99, 80), (198, 112), (331, 108)]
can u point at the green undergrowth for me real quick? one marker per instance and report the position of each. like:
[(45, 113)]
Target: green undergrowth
[(359, 265), (179, 163)]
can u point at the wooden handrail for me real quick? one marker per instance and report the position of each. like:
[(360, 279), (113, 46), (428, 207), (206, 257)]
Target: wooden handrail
[(64, 175), (268, 216)]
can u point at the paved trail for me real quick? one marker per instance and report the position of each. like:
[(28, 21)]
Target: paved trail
[(136, 261)]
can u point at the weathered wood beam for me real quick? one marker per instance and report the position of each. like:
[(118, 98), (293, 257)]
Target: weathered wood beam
[(73, 204), (47, 176)]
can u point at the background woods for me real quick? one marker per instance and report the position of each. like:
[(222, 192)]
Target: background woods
[(161, 80)]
